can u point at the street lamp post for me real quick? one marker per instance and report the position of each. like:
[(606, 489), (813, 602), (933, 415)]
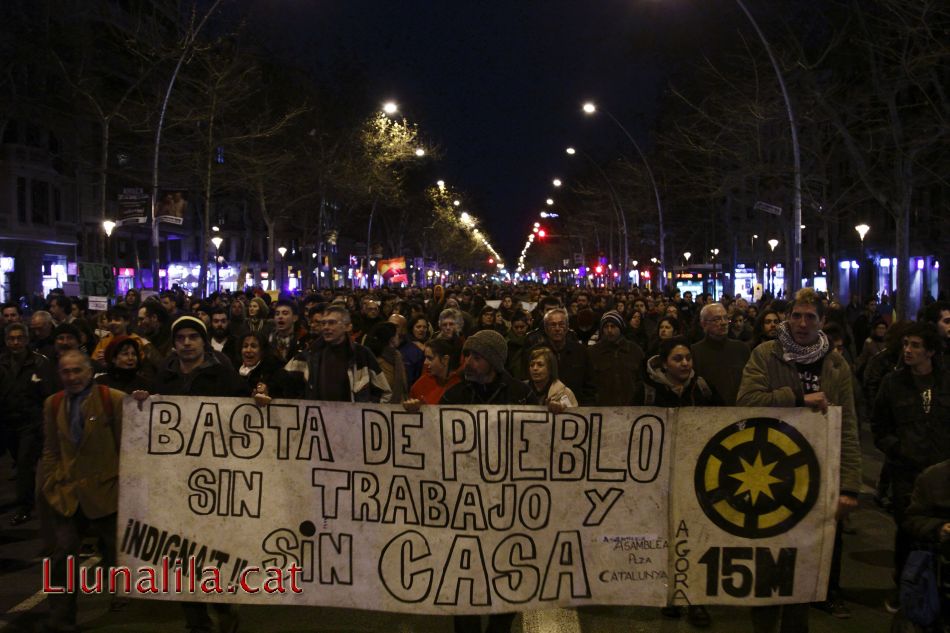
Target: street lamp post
[(796, 156), (715, 258), (618, 209), (280, 274), (108, 226), (862, 230), (590, 108), (772, 244), (186, 50), (217, 240)]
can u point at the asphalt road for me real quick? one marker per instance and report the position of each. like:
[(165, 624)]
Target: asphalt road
[(865, 581)]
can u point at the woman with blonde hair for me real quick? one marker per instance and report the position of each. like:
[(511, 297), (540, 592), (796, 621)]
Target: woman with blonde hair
[(545, 388)]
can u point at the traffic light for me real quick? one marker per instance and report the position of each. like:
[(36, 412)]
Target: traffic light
[(542, 234), (599, 269), (491, 260)]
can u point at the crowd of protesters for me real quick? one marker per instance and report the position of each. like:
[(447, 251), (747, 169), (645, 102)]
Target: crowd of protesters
[(558, 347)]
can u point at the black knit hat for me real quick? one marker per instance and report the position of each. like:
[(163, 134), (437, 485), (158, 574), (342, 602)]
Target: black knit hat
[(190, 322)]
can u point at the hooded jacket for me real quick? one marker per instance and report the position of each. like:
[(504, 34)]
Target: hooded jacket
[(657, 390), (364, 375)]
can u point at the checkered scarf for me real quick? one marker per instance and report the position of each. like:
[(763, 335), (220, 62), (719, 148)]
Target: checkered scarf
[(795, 353)]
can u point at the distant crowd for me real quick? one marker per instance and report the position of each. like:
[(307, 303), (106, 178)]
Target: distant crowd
[(64, 371)]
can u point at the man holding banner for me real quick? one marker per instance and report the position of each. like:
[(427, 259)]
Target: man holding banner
[(797, 369), (486, 382)]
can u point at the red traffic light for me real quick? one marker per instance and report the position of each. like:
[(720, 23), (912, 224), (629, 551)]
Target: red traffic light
[(491, 260), (599, 269), (542, 233)]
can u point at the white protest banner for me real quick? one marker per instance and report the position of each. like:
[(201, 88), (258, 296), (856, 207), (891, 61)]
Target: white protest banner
[(472, 509)]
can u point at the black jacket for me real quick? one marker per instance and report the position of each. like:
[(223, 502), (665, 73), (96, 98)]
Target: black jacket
[(657, 390), (930, 505), (573, 367), (27, 389), (910, 437), (503, 390), (616, 371), (210, 379)]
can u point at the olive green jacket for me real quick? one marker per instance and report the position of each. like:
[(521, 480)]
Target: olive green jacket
[(768, 380)]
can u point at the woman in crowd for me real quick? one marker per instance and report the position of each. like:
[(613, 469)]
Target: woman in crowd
[(258, 365), (545, 388), (671, 382), (257, 321), (636, 330), (124, 366), (420, 331), (666, 328), (440, 373), (382, 341)]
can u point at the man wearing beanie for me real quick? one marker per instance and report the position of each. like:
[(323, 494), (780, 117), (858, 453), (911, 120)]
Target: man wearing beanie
[(616, 363), (191, 369), (486, 382)]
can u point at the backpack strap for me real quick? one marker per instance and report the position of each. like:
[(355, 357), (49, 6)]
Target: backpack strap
[(58, 401)]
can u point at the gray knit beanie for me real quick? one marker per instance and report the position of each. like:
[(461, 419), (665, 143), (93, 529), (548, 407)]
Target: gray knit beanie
[(491, 346), (612, 316)]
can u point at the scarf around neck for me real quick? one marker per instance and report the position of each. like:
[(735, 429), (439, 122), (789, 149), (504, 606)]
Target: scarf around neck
[(793, 352)]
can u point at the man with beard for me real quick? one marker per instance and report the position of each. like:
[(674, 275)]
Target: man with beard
[(486, 382), (152, 325), (800, 369), (222, 340)]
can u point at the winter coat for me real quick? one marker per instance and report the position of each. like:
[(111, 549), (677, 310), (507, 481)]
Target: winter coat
[(657, 390), (768, 380), (502, 390), (930, 504), (364, 375), (212, 378), (556, 392), (910, 438), (84, 476), (26, 389), (616, 372)]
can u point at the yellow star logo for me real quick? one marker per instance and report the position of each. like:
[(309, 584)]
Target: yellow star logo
[(756, 478)]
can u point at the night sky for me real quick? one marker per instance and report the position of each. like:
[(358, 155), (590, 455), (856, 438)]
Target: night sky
[(498, 85)]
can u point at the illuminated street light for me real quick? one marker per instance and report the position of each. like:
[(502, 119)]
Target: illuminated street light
[(282, 250), (773, 243), (216, 240), (686, 256), (108, 226), (556, 182), (549, 201), (862, 230), (457, 202), (390, 107), (571, 151), (215, 228), (441, 184), (590, 108), (420, 152)]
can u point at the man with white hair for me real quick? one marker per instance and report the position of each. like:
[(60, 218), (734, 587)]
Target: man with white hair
[(716, 358)]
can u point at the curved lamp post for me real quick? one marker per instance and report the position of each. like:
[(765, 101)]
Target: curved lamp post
[(591, 108), (618, 209)]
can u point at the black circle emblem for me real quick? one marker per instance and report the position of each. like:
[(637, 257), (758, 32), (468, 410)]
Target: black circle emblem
[(757, 478)]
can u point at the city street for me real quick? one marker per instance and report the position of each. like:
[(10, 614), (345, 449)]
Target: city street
[(866, 578)]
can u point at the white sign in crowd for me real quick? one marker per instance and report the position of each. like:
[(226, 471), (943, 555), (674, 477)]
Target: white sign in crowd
[(484, 508)]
